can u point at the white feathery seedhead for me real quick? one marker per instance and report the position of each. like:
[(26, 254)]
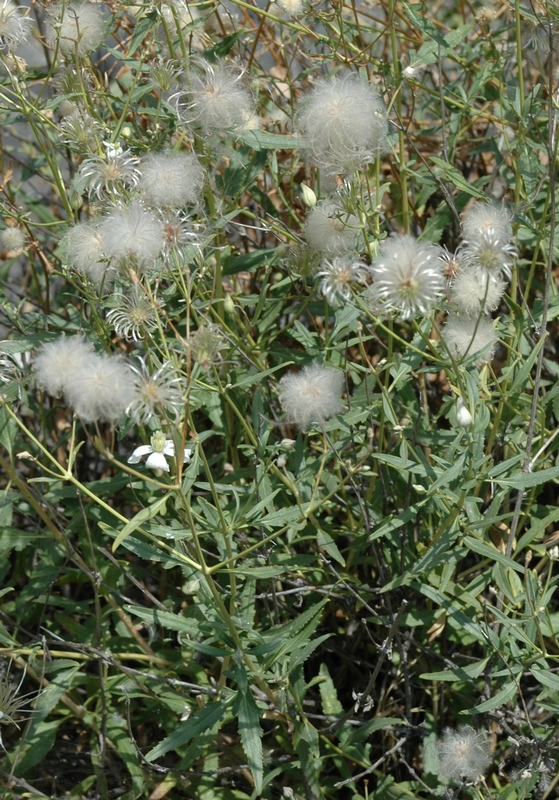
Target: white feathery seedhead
[(487, 239), (133, 316), (79, 27), (215, 98), (476, 293), (408, 275), (343, 121), (101, 389), (330, 229), (291, 7), (109, 174), (12, 239), (462, 754), (171, 179), (132, 234), (57, 362), (466, 337), (160, 393), (337, 277), (82, 246), (311, 395), (15, 28)]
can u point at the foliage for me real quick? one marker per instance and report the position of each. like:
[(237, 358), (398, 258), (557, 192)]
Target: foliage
[(278, 610)]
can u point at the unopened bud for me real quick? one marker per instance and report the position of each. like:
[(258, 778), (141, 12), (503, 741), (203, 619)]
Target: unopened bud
[(463, 416), (308, 196)]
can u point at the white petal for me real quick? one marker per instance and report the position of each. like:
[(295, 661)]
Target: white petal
[(187, 455), (157, 461), (169, 449), (140, 451)]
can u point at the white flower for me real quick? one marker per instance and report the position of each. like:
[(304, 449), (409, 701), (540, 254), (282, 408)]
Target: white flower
[(156, 451), (308, 196), (215, 98), (79, 28), (110, 173), (462, 754), (466, 337), (132, 234), (330, 228), (476, 292), (487, 244), (408, 275), (337, 276), (312, 395), (171, 179), (14, 26), (344, 123)]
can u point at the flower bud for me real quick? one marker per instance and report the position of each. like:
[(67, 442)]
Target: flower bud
[(308, 196), (463, 416)]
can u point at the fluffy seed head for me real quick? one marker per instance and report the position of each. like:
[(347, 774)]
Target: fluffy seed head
[(408, 275), (101, 389), (476, 293), (171, 179), (57, 362), (132, 234), (215, 98), (337, 277), (82, 247), (487, 244), (133, 316), (78, 130), (160, 393), (291, 7), (109, 174), (466, 337), (14, 27), (344, 123), (80, 26), (330, 228), (312, 395), (12, 239), (206, 344), (462, 754)]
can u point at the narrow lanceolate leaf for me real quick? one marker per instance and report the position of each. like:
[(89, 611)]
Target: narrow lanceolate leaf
[(502, 697), (248, 718), (142, 516), (526, 480), (201, 721)]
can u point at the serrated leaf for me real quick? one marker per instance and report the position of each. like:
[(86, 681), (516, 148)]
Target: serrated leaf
[(527, 480), (248, 717), (201, 721)]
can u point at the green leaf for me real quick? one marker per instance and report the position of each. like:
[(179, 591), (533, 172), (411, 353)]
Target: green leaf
[(502, 697), (547, 678), (490, 551), (248, 717), (466, 673), (527, 480), (142, 516), (451, 174), (201, 721), (260, 140)]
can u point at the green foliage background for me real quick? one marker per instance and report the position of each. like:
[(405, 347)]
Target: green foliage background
[(289, 620)]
